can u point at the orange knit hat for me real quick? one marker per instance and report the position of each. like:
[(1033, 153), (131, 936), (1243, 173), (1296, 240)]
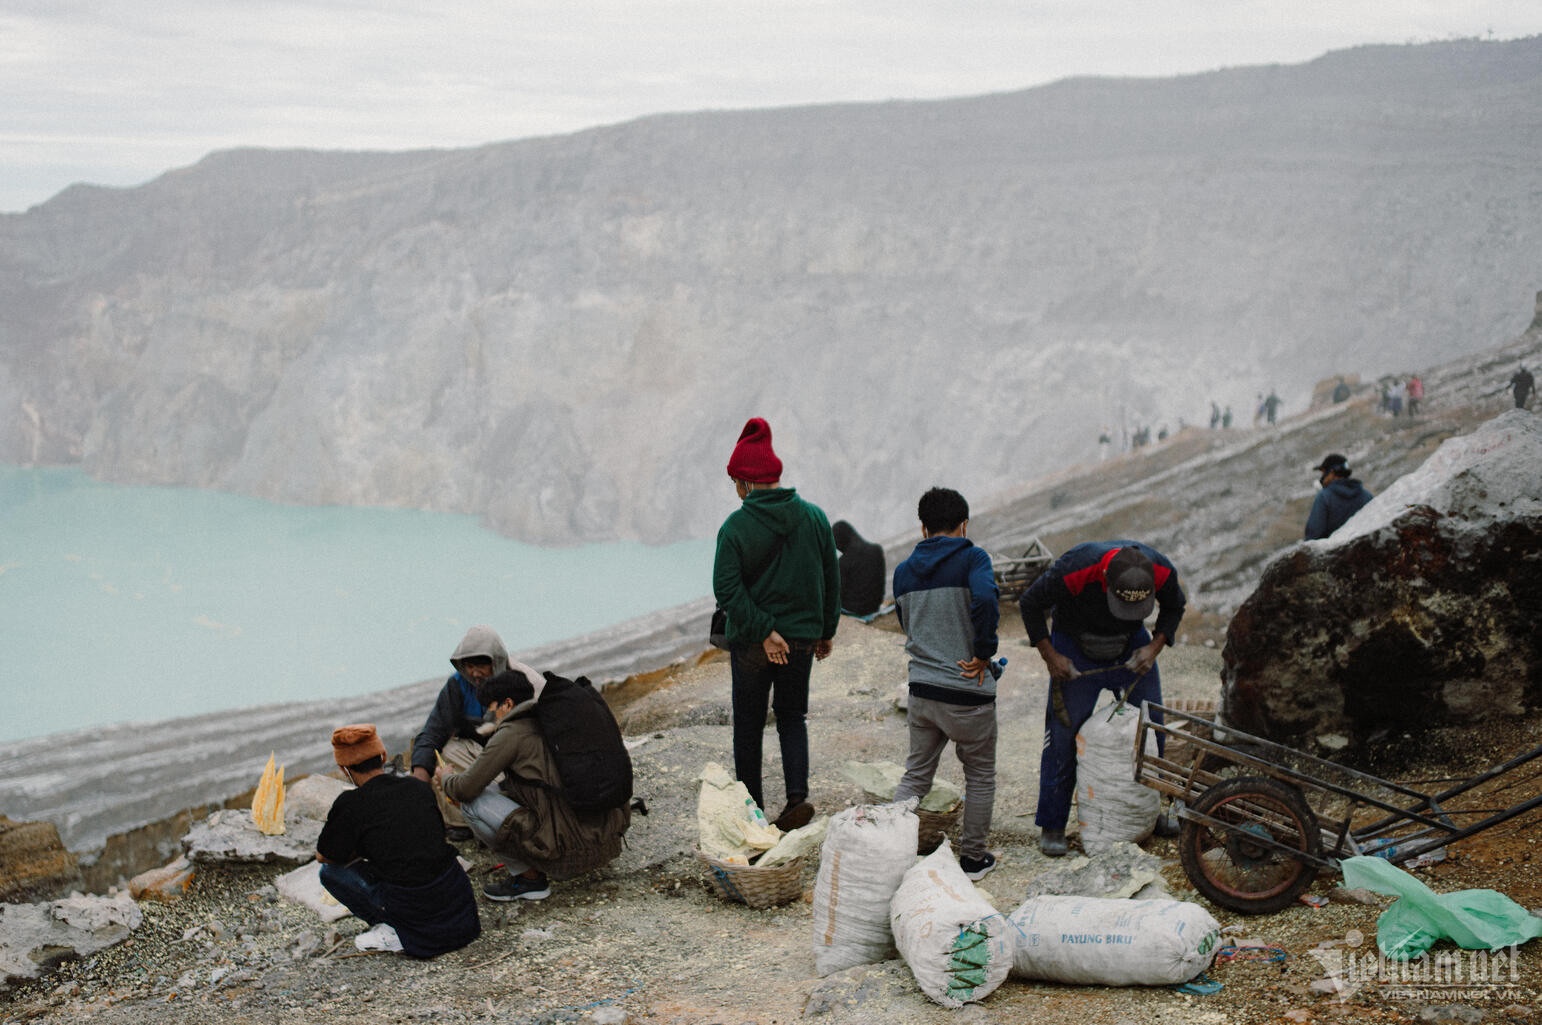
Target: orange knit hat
[(357, 743)]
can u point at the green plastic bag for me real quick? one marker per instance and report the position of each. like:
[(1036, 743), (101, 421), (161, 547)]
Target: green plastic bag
[(1473, 919)]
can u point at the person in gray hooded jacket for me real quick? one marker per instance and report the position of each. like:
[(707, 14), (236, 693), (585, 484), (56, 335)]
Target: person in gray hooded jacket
[(450, 732)]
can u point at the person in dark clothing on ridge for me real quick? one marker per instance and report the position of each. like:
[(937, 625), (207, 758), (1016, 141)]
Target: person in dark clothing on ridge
[(1521, 383), (1340, 498), (1100, 593), (862, 570), (776, 577)]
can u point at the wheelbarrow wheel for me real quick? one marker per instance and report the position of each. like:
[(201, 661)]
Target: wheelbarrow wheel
[(1233, 863)]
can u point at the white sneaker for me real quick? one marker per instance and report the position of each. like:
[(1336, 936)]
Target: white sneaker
[(381, 937)]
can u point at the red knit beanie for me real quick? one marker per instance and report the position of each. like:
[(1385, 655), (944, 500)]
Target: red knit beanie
[(753, 460)]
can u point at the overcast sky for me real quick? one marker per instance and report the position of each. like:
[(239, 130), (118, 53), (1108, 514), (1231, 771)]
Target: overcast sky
[(115, 92)]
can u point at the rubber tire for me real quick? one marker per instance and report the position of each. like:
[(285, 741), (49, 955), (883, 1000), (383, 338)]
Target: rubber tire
[(1282, 799)]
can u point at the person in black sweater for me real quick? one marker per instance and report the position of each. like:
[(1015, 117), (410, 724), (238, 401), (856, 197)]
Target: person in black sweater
[(384, 856), (862, 571)]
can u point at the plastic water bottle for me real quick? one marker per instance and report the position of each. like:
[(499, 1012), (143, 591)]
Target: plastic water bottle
[(753, 811), (998, 666)]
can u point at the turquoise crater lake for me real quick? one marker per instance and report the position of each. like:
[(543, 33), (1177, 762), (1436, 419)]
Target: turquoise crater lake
[(126, 604)]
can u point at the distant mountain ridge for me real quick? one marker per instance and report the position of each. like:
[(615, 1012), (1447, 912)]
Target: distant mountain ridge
[(564, 334)]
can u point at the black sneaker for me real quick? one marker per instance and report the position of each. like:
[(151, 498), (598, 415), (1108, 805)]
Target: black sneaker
[(518, 888), (796, 815), (978, 868)]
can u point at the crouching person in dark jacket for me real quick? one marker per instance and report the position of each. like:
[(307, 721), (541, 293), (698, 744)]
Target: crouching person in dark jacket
[(385, 858), (511, 798)]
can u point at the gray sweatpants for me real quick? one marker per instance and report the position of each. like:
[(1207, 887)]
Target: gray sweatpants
[(972, 728)]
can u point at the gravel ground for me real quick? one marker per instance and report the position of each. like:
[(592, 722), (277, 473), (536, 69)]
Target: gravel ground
[(645, 941)]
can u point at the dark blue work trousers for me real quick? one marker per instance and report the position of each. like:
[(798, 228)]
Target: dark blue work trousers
[(1057, 763)]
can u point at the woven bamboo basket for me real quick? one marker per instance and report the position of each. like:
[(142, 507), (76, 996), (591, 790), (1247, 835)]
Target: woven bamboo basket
[(753, 885), (934, 826)]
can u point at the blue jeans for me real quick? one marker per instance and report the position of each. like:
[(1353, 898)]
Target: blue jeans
[(1057, 763), (357, 888), (756, 681)]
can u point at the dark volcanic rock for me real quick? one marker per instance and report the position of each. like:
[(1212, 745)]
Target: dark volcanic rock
[(1423, 610)]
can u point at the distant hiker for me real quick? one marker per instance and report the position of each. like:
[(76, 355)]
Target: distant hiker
[(1162, 434), (1340, 391), (1340, 498), (384, 857), (947, 600), (450, 731), (863, 577), (1415, 390), (1522, 383), (1099, 594), (1272, 407), (1226, 419), (775, 574), (512, 799), (1105, 442), (1391, 403), (1215, 416)]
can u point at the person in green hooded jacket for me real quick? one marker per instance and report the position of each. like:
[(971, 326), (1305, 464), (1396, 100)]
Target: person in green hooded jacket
[(777, 577)]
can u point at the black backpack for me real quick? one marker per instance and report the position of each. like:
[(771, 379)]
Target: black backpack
[(593, 765)]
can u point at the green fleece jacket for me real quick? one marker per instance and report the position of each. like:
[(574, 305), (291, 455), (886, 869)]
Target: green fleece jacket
[(776, 569)]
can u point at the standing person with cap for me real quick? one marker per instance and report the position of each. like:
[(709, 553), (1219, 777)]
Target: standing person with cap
[(384, 856), (776, 576), (1340, 498), (1099, 594)]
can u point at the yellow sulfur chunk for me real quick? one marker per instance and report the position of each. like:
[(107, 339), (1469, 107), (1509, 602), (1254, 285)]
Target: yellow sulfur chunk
[(268, 801)]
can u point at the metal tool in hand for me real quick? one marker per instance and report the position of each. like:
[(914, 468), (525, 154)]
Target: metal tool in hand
[(1057, 692)]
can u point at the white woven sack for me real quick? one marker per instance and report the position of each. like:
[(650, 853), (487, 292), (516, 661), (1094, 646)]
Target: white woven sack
[(866, 852), (957, 945), (1110, 805), (1108, 941)]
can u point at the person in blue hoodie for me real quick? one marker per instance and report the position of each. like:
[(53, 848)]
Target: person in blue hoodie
[(948, 605), (1340, 498)]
